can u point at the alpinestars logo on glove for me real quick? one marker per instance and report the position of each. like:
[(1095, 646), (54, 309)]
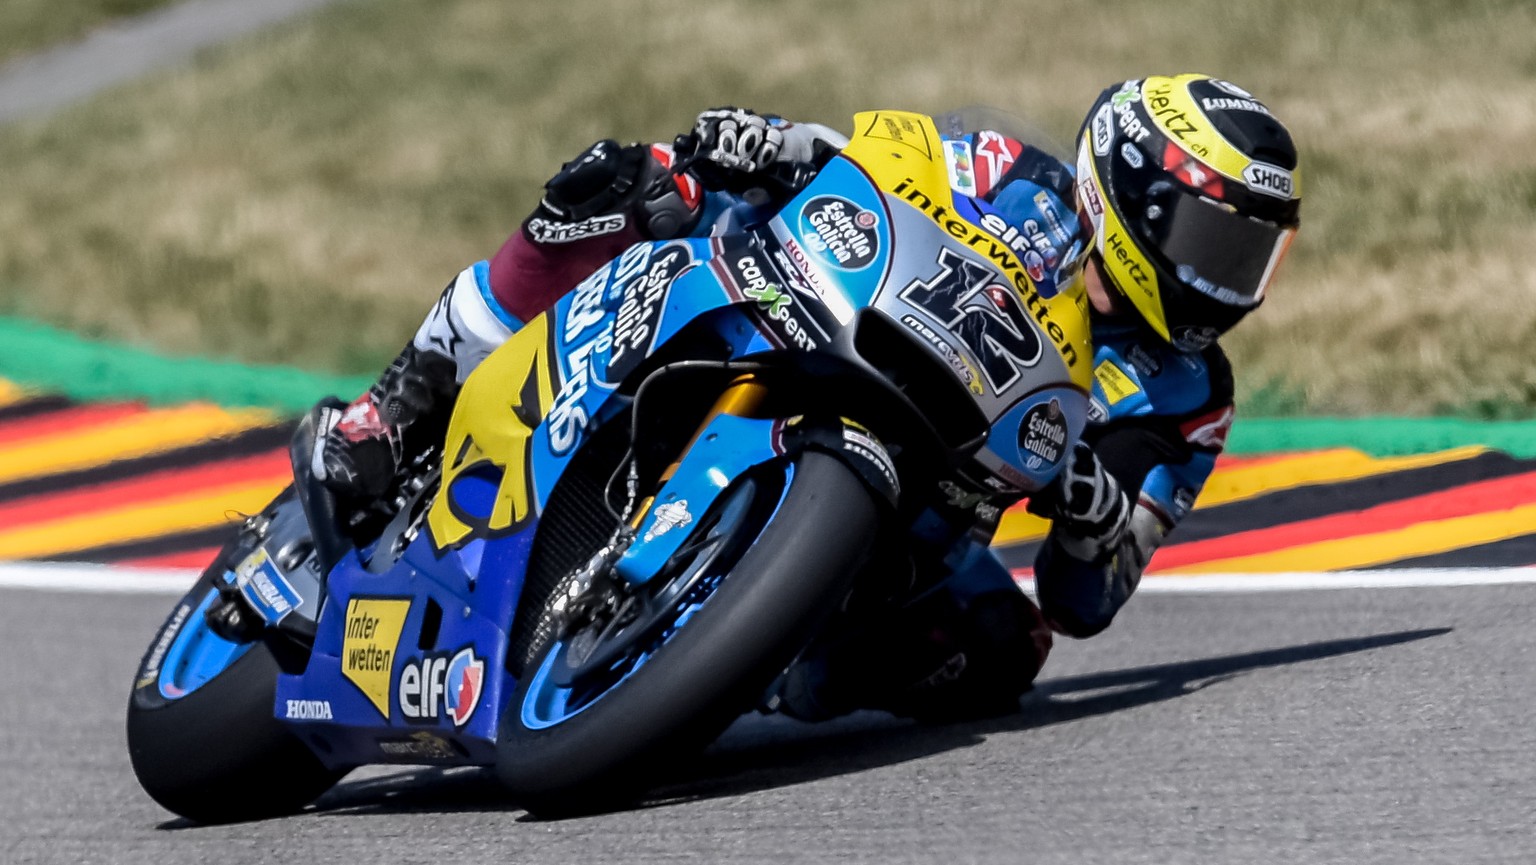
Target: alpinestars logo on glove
[(545, 231)]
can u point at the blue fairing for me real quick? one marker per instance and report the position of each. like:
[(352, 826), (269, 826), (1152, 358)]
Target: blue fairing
[(463, 598), (465, 615)]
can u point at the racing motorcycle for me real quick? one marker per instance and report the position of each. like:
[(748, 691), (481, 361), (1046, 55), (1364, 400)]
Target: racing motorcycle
[(644, 506)]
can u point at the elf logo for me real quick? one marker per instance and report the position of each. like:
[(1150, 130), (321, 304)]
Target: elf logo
[(438, 685)]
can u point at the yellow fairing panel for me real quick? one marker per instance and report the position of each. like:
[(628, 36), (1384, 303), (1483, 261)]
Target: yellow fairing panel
[(501, 404)]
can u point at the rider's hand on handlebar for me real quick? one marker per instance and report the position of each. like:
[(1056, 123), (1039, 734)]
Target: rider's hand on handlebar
[(737, 139)]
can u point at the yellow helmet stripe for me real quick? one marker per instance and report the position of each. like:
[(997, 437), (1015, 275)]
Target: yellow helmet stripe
[(1130, 270), (1168, 102)]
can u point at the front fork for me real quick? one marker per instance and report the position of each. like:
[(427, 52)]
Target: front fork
[(742, 398), (731, 439), (728, 442), (736, 435)]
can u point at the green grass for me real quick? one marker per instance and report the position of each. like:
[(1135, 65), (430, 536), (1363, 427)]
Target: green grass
[(302, 196), (31, 25)]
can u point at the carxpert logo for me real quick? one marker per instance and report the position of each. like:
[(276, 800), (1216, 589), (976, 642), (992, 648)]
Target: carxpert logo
[(369, 643), (759, 283)]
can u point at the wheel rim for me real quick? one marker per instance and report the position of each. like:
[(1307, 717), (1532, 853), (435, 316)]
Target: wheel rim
[(548, 703), (197, 654)]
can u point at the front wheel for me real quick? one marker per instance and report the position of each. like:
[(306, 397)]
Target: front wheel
[(763, 570), (202, 736)]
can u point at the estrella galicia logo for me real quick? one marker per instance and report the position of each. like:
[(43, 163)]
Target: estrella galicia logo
[(639, 316), (441, 685), (840, 232), (1043, 435)]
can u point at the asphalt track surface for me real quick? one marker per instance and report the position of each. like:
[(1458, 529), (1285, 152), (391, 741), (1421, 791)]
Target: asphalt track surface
[(1347, 725)]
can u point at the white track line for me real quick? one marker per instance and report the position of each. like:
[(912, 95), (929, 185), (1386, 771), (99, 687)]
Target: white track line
[(103, 578), (1407, 578), (95, 578)]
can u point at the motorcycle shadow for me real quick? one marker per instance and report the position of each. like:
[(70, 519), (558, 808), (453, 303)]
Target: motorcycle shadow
[(764, 753), (738, 765)]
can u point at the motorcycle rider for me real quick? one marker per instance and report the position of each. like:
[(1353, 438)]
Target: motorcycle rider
[(1187, 190)]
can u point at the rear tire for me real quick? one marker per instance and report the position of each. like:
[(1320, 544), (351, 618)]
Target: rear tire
[(714, 667), (217, 754)]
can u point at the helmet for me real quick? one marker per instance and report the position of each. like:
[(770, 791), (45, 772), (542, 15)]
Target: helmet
[(1192, 191)]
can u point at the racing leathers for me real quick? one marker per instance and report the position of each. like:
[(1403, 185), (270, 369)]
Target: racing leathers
[(970, 641)]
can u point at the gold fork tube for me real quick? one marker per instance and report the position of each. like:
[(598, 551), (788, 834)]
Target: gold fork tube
[(741, 398)]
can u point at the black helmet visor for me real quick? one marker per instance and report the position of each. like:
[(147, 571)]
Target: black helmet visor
[(1228, 257)]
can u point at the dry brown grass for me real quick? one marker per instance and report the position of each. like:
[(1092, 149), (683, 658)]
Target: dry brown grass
[(302, 196)]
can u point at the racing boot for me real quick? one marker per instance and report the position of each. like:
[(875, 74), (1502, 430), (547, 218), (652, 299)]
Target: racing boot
[(363, 445)]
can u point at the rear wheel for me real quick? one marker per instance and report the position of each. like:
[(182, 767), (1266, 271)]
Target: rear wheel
[(601, 711), (202, 736)]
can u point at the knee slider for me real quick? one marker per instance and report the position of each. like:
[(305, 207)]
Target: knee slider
[(1008, 640)]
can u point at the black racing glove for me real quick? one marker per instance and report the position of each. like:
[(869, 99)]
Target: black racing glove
[(605, 178), (1087, 509)]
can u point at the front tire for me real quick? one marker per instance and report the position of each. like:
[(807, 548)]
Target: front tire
[(202, 736), (716, 662)]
